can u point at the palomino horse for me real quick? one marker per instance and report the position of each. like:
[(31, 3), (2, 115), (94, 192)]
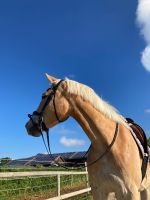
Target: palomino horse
[(117, 175)]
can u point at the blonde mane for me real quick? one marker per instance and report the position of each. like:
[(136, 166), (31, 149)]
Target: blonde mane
[(89, 95)]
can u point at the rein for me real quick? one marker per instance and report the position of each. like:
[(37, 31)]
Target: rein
[(99, 158), (40, 125)]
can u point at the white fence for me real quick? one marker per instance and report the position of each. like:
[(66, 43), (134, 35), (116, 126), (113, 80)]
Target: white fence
[(59, 174)]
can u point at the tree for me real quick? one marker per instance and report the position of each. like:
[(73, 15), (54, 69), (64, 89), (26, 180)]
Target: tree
[(5, 160), (148, 141)]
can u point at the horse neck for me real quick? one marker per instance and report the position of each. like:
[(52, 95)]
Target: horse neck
[(98, 127)]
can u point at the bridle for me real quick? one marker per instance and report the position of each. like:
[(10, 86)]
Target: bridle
[(40, 125)]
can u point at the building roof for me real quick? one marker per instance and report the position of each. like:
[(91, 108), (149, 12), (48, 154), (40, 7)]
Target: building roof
[(46, 159)]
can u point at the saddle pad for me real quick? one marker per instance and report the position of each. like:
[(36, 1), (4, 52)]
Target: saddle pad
[(140, 137)]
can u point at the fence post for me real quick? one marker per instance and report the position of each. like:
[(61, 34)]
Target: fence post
[(87, 177), (58, 186), (72, 179)]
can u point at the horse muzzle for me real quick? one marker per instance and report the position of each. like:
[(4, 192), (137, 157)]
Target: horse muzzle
[(32, 129), (35, 125)]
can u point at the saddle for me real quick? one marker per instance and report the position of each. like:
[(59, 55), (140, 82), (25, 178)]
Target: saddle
[(140, 134), (140, 138)]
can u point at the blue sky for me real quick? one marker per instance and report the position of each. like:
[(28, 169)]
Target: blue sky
[(94, 42)]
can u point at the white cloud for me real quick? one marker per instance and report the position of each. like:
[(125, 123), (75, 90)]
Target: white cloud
[(145, 59), (147, 111), (71, 142), (143, 19)]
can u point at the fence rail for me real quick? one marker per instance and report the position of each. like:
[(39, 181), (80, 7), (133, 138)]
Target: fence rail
[(60, 183), (38, 173), (71, 194)]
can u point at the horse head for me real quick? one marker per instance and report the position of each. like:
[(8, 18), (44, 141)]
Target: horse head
[(53, 108)]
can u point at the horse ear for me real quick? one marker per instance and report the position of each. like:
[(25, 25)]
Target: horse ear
[(51, 78)]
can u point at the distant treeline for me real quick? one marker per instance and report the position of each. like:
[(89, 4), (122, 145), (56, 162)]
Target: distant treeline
[(148, 141)]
